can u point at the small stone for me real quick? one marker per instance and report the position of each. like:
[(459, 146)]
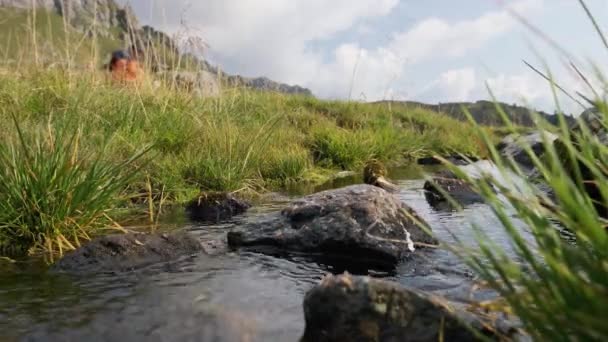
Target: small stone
[(215, 207)]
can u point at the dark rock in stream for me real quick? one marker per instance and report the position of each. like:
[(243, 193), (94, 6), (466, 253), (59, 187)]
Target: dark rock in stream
[(123, 252), (346, 308), (594, 122), (214, 207), (359, 221), (459, 190), (512, 147)]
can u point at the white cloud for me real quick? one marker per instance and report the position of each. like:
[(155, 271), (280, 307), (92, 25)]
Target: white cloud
[(529, 88), (458, 84), (466, 84), (451, 86), (437, 37), (272, 38)]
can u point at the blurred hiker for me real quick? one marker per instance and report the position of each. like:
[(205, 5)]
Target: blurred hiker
[(124, 66)]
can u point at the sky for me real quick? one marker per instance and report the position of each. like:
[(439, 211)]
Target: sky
[(430, 51)]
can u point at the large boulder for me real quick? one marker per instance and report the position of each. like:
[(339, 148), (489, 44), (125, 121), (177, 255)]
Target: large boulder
[(215, 207), (512, 147), (346, 308), (124, 252), (360, 221)]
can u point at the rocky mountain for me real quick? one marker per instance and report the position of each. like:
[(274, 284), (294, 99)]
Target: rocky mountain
[(99, 16), (264, 83), (484, 112), (260, 83), (117, 26)]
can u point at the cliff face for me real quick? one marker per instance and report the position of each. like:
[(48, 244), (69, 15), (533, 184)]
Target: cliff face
[(98, 16), (45, 4)]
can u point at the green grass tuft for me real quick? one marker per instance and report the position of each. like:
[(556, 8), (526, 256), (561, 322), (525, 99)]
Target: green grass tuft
[(557, 286), (53, 194)]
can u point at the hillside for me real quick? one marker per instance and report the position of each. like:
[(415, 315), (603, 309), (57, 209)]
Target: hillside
[(484, 112), (84, 33)]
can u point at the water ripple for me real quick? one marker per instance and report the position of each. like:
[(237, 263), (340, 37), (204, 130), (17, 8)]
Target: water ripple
[(179, 300)]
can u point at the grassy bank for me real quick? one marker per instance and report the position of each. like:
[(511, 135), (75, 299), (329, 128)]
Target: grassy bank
[(240, 141)]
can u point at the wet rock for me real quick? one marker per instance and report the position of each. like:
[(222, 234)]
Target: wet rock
[(593, 120), (459, 190), (454, 159), (215, 206), (123, 252), (346, 308), (360, 221), (374, 173), (511, 147)]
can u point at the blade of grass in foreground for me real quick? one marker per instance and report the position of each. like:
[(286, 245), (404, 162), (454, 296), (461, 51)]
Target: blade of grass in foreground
[(559, 289)]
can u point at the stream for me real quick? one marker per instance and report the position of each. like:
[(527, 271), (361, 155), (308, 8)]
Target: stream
[(182, 300)]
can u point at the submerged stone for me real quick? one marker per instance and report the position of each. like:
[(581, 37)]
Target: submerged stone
[(459, 190), (361, 222), (123, 252)]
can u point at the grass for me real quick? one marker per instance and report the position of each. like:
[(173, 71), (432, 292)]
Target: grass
[(558, 287), (71, 146), (242, 138), (240, 141), (78, 132), (54, 195)]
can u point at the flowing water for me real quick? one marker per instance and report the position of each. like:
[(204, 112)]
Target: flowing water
[(212, 298)]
